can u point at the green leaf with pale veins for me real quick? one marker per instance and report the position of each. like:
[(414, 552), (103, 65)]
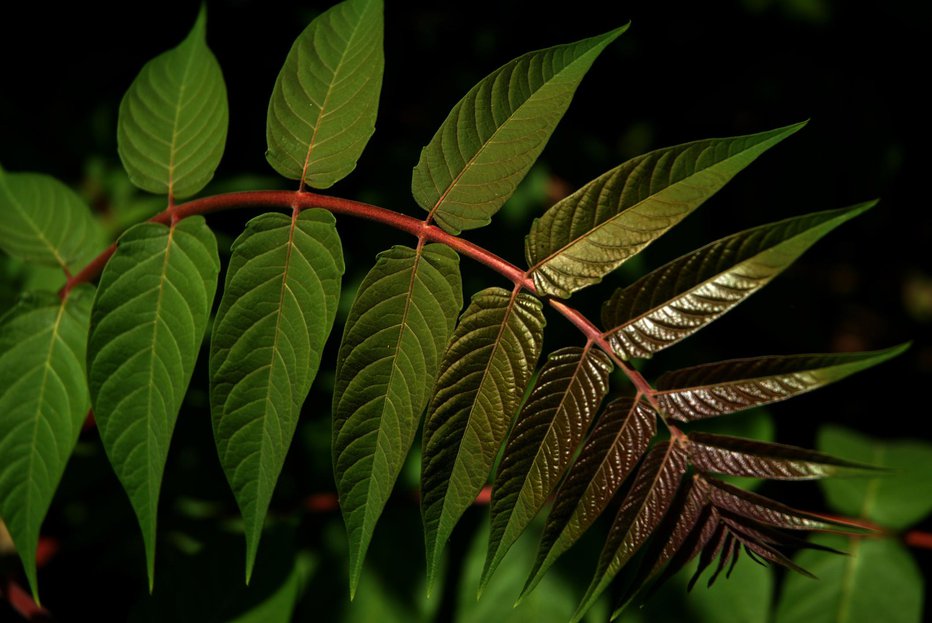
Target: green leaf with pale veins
[(147, 325), (592, 232), (279, 301), (42, 221), (173, 119), (494, 134), (486, 368), (550, 427), (323, 107), (678, 299), (400, 322), (724, 387), (618, 441), (43, 403)]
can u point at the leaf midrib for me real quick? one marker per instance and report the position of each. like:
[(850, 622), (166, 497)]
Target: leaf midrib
[(175, 123)]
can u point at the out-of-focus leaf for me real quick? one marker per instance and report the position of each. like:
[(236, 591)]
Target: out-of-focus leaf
[(494, 134), (173, 119), (400, 322), (894, 501), (42, 221), (724, 387), (485, 370), (323, 107), (566, 396), (279, 301), (877, 581), (678, 299), (147, 324), (593, 231), (43, 403), (652, 492)]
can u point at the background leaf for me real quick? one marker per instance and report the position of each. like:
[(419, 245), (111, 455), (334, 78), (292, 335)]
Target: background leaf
[(147, 324), (279, 302), (896, 500), (547, 433), (590, 233), (45, 222), (485, 370), (713, 389), (494, 134), (43, 403), (877, 581), (324, 104), (173, 119), (676, 300), (400, 321)]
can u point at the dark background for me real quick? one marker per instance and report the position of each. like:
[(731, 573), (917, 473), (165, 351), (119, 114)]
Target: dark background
[(683, 71)]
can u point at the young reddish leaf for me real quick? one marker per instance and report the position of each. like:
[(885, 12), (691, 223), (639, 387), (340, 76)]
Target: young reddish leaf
[(724, 454), (569, 389), (678, 299), (766, 511), (592, 232), (485, 370), (642, 510), (618, 441), (724, 387)]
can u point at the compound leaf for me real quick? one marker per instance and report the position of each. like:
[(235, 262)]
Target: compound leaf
[(494, 134), (43, 402), (550, 427), (618, 441), (324, 104), (678, 299), (173, 120), (485, 370), (593, 231), (279, 303), (147, 325), (399, 324), (724, 387), (44, 222)]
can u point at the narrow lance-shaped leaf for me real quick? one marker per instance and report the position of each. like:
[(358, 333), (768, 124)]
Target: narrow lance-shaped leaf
[(723, 387), (279, 302), (724, 454), (587, 235), (485, 370), (678, 299), (399, 324), (43, 403), (770, 512), (494, 134), (618, 441), (173, 119), (323, 107), (651, 494), (44, 222), (566, 396), (147, 325)]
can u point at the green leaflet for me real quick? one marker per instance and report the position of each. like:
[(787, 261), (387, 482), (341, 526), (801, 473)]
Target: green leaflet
[(324, 104), (279, 301), (173, 119), (618, 441), (587, 235), (45, 222), (724, 387), (678, 299), (147, 325), (43, 402), (895, 501), (877, 581), (401, 319), (550, 427), (494, 134), (485, 370)]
